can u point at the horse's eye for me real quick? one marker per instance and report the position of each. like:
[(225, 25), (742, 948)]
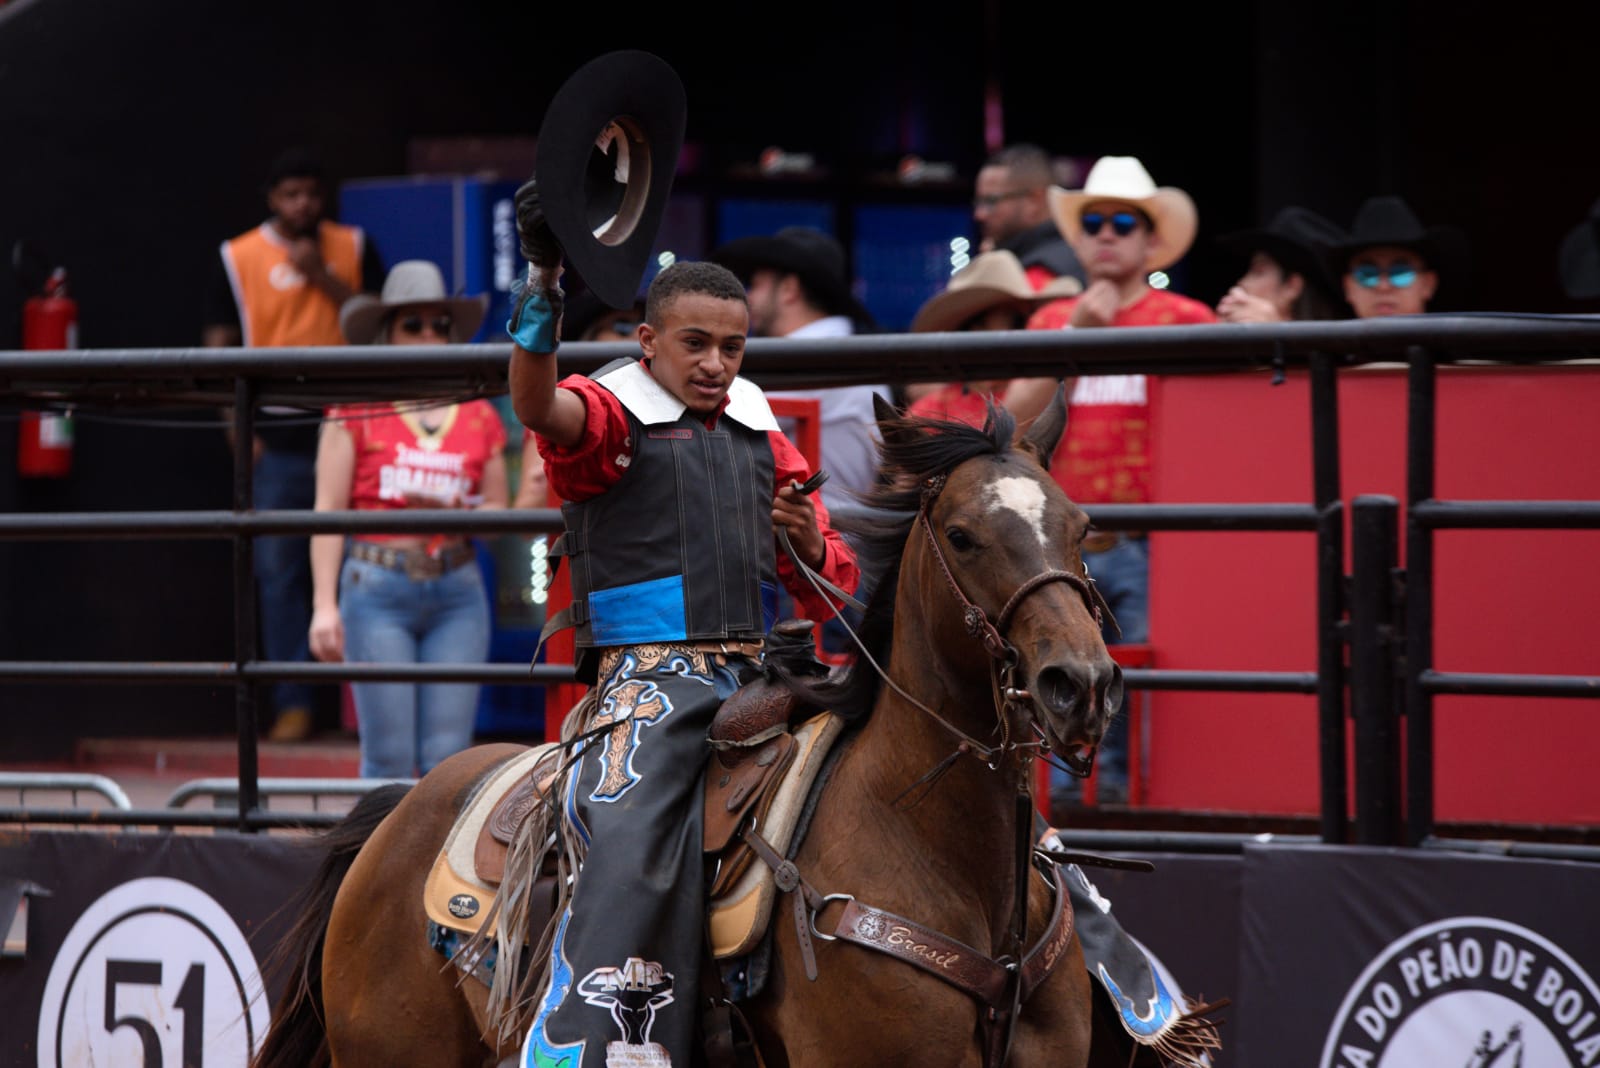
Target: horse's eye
[(958, 539)]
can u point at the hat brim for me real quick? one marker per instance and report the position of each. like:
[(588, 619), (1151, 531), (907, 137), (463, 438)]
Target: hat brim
[(1442, 249), (1171, 211), (362, 317), (631, 104), (952, 309), (1286, 252), (744, 256)]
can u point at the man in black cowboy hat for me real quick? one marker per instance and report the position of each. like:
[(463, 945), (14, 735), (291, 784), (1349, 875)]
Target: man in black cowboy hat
[(799, 288), (1391, 264), (1286, 278)]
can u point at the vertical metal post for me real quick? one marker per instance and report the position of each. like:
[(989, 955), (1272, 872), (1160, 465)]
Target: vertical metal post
[(1421, 414), (1374, 531), (245, 638), (1330, 597)]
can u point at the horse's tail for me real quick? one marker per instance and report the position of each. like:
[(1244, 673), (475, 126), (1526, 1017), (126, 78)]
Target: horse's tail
[(298, 1037)]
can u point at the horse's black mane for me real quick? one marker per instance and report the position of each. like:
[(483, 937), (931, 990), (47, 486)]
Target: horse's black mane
[(913, 451)]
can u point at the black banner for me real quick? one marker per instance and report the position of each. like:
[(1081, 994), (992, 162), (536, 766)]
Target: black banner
[(1372, 958), (147, 949)]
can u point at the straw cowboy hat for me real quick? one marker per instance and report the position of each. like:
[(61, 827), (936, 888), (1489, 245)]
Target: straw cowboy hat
[(993, 279), (814, 256), (1297, 239), (1124, 179), (410, 282)]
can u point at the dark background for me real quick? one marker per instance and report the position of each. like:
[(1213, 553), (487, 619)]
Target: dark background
[(134, 138)]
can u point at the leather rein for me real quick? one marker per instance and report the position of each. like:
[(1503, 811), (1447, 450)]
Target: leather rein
[(999, 984)]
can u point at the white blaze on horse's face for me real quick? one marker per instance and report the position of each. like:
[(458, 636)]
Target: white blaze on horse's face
[(1024, 496)]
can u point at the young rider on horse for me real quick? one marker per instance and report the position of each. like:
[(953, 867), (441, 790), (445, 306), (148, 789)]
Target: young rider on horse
[(676, 479)]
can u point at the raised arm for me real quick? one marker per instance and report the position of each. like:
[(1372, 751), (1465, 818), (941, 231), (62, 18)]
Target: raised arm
[(535, 327)]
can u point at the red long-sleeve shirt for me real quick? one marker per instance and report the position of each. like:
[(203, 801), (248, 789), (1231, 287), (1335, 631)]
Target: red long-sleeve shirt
[(600, 457)]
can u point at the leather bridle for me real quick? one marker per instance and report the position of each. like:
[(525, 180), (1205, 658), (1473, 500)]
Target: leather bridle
[(1004, 657)]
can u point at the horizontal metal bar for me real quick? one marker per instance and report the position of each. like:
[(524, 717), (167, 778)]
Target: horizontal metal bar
[(1508, 515), (225, 788), (1485, 684), (1506, 848), (255, 819), (530, 521), (324, 374), (24, 782), (1295, 517), (1221, 681), (226, 672), (220, 524), (1174, 841)]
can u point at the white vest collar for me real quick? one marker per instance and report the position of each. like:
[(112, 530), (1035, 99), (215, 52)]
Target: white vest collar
[(651, 404)]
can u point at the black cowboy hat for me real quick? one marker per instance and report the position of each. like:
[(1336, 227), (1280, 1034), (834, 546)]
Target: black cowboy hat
[(814, 256), (1580, 258), (1389, 222), (607, 151), (1296, 239)]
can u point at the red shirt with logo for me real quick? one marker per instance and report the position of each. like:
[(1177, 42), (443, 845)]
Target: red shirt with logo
[(1104, 456), (397, 458)]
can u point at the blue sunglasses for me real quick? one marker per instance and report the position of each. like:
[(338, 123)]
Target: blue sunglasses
[(1368, 275), (1122, 223)]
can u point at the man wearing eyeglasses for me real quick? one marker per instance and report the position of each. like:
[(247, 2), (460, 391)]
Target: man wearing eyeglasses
[(1389, 263), (1011, 206), (1124, 229)]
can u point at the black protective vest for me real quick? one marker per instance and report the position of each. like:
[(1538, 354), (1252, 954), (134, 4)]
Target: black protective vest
[(680, 548)]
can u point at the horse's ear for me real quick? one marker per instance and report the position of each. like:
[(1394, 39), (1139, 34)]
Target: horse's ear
[(1045, 431), (882, 410)]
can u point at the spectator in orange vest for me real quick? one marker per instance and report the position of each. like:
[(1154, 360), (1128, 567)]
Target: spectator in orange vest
[(281, 284)]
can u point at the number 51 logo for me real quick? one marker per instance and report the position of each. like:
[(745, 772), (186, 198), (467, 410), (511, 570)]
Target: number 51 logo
[(154, 973)]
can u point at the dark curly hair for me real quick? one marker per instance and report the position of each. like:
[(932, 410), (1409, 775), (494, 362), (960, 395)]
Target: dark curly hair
[(690, 276)]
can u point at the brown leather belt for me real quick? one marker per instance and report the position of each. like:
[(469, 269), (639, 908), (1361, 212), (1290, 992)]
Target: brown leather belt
[(417, 564), (1101, 540), (730, 647)]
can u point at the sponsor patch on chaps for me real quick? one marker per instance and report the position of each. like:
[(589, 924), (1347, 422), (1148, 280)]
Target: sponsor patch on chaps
[(463, 906), (1472, 991)]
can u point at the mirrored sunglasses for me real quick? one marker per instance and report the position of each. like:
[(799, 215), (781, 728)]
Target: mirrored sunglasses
[(1122, 223), (1369, 275)]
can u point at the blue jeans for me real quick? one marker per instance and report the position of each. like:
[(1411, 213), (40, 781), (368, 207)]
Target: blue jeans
[(285, 480), (1122, 574), (406, 728)]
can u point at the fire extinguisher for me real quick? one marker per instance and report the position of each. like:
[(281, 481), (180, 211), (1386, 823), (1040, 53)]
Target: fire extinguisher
[(49, 321)]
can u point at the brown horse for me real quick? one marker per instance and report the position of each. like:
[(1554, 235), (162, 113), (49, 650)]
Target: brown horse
[(981, 647)]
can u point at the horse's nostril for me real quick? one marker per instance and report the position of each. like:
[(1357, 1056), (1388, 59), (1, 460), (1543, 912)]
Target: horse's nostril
[(1057, 690), (1111, 696)]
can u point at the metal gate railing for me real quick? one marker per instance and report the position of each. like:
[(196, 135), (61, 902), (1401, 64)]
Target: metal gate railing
[(313, 377)]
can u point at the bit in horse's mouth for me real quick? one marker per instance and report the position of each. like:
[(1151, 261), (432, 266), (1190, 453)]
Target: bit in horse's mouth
[(1080, 760)]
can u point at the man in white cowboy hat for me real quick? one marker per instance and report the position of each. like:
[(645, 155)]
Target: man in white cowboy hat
[(1123, 227), (993, 292)]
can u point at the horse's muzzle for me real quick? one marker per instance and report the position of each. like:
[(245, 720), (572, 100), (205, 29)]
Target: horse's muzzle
[(1078, 700)]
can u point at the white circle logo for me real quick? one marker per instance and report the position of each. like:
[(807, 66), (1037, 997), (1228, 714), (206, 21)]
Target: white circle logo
[(1470, 990), (156, 973)]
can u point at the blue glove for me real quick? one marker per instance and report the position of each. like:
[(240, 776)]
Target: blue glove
[(536, 305)]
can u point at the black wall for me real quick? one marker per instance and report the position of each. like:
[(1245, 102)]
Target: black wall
[(134, 137)]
